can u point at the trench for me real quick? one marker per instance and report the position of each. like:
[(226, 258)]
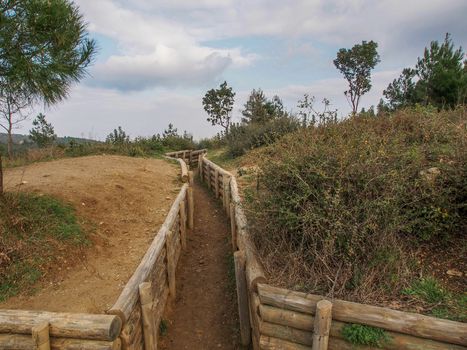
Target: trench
[(204, 315)]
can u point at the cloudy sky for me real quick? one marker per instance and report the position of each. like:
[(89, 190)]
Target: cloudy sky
[(157, 58)]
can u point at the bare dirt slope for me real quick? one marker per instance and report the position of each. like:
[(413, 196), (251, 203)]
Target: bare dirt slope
[(126, 200), (204, 314)]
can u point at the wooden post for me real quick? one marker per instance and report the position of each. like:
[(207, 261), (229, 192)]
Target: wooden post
[(170, 263), (190, 179), (40, 336), (233, 227), (323, 318), (216, 182), (149, 331), (242, 298), (209, 175), (183, 224), (227, 195), (200, 166), (191, 208)]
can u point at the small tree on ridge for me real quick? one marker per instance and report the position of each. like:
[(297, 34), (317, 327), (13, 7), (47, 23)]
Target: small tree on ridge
[(356, 65), (218, 104)]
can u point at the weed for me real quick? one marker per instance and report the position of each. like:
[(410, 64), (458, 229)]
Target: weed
[(364, 335), (163, 328), (35, 231), (443, 304), (428, 289)]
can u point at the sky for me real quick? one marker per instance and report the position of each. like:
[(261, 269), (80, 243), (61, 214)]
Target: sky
[(157, 58)]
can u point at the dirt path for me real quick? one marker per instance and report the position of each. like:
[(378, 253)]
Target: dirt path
[(204, 314), (125, 199)]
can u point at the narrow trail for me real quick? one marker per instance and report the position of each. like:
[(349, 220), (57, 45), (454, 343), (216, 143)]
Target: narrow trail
[(204, 313)]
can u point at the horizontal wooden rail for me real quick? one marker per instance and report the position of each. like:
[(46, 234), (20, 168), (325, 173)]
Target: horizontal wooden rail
[(63, 325), (295, 326), (127, 300), (183, 167), (25, 342), (392, 320)]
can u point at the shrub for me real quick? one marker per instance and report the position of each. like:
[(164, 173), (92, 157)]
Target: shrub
[(345, 203), (244, 137)]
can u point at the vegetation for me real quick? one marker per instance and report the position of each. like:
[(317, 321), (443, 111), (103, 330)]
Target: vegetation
[(244, 137), (350, 204), (118, 137), (218, 104), (259, 110), (437, 299), (44, 49), (438, 79), (365, 335), (35, 232), (42, 133), (118, 142), (356, 64), (264, 121)]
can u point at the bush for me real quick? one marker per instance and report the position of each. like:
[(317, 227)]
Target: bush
[(244, 137), (347, 203)]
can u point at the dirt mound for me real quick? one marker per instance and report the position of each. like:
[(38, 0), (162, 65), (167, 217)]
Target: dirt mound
[(125, 199)]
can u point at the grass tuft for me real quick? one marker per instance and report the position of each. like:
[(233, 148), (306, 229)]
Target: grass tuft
[(35, 231), (358, 334), (428, 289)]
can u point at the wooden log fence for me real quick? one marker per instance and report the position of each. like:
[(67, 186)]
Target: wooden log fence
[(281, 319), (190, 157), (270, 317), (133, 321)]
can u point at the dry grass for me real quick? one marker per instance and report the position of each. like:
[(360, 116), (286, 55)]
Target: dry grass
[(344, 210)]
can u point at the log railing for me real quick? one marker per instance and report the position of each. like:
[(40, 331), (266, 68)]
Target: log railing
[(133, 321), (142, 301), (190, 157), (275, 318)]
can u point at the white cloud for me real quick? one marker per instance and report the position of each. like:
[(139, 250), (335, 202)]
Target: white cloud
[(155, 51), (166, 58)]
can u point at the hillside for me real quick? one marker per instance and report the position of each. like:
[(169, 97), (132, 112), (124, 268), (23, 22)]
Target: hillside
[(19, 139), (119, 202), (369, 209)]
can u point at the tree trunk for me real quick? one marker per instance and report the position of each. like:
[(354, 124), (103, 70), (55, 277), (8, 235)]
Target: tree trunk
[(10, 137), (1, 176)]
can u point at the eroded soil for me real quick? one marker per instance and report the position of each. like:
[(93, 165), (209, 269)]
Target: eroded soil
[(125, 200)]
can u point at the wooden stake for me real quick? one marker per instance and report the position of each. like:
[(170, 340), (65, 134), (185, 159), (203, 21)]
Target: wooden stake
[(146, 300), (169, 244), (200, 166), (242, 298), (233, 227), (209, 175), (183, 224), (191, 208), (216, 182), (227, 196), (190, 179), (323, 318), (40, 336)]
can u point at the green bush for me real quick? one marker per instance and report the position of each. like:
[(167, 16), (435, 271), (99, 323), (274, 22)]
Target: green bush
[(244, 137), (347, 203)]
